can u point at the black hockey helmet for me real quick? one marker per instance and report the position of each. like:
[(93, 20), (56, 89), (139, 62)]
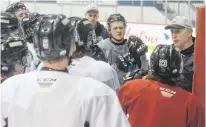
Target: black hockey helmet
[(9, 22), (114, 18), (74, 21), (165, 61), (28, 23), (53, 37), (16, 7)]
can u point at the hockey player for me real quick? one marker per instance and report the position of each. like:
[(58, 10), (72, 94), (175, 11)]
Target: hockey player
[(82, 63), (124, 55), (87, 36), (89, 28), (20, 11), (15, 57), (52, 97), (159, 101), (9, 27), (28, 24), (92, 15), (9, 23), (86, 58)]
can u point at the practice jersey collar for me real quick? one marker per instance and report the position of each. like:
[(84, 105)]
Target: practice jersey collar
[(49, 69)]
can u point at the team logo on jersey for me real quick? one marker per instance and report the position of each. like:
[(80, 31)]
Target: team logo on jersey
[(162, 62), (168, 93)]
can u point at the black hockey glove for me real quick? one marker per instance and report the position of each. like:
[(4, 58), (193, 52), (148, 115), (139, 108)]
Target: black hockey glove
[(97, 53), (137, 48), (84, 27)]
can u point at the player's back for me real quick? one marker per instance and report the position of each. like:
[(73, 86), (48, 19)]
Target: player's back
[(52, 99), (99, 70), (150, 103)]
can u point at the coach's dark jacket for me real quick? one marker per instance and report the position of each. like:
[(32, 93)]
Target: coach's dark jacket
[(186, 76)]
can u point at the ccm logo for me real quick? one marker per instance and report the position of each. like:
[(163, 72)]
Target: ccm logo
[(46, 80)]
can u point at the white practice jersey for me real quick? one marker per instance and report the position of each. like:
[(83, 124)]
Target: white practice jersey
[(89, 67), (57, 99), (99, 70)]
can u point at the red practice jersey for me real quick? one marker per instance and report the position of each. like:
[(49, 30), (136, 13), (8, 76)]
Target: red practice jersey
[(149, 103)]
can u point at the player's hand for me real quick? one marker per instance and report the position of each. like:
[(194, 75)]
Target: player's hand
[(136, 46)]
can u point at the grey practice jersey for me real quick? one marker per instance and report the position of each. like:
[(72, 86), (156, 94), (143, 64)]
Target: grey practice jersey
[(57, 99), (111, 51)]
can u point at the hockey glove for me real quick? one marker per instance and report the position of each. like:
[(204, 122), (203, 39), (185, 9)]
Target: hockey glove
[(83, 28), (137, 48)]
